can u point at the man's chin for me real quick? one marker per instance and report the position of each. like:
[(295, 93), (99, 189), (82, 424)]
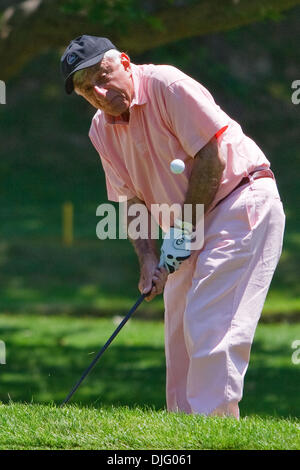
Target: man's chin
[(117, 112), (117, 108), (114, 113)]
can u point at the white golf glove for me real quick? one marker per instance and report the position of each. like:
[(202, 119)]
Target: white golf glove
[(176, 246)]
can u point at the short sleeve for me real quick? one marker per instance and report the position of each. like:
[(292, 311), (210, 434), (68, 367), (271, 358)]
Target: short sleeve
[(194, 116), (115, 186)]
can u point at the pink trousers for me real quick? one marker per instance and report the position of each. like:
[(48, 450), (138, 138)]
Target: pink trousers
[(214, 301)]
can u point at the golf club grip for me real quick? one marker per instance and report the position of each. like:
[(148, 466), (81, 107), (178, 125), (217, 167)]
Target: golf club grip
[(86, 372)]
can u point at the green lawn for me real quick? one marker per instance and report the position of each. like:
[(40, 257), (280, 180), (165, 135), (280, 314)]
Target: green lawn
[(48, 427), (47, 354)]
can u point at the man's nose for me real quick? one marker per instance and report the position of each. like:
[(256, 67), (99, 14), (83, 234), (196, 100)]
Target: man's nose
[(100, 92)]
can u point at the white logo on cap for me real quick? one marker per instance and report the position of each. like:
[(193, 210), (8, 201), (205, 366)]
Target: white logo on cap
[(71, 58)]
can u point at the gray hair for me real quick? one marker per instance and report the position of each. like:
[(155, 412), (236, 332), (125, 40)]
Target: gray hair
[(80, 76)]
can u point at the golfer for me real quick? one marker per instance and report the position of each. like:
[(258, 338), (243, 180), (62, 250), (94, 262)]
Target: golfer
[(147, 116)]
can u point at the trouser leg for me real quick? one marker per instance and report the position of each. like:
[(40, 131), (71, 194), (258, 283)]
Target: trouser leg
[(211, 314), (177, 360), (229, 287)]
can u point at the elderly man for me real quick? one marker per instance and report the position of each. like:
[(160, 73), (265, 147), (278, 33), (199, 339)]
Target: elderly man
[(147, 116)]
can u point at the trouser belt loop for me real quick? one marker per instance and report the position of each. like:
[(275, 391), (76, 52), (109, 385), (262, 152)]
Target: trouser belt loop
[(258, 173), (261, 173)]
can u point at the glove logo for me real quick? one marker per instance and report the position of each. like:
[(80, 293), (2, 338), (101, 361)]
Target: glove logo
[(179, 241)]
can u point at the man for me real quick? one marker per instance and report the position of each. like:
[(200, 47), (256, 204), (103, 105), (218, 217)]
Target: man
[(147, 116)]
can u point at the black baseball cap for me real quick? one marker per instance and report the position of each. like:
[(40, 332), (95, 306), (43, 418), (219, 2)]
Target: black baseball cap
[(82, 52)]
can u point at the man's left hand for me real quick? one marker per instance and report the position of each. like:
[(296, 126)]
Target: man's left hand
[(176, 246)]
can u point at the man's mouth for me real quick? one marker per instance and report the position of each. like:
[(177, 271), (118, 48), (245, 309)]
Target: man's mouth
[(113, 99)]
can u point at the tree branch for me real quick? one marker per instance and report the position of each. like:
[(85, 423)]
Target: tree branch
[(29, 28)]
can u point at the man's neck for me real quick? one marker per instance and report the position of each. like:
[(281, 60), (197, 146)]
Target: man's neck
[(124, 117)]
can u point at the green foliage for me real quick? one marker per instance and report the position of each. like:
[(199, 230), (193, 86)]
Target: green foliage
[(110, 13), (119, 14), (268, 13)]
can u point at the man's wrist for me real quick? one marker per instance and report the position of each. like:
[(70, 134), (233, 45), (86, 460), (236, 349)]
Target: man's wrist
[(145, 257), (146, 250)]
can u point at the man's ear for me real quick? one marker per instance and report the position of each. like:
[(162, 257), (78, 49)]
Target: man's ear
[(125, 60)]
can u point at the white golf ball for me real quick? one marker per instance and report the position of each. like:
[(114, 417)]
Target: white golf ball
[(177, 166)]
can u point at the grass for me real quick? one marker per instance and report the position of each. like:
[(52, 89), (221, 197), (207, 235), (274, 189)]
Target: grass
[(47, 427), (121, 404), (47, 355)]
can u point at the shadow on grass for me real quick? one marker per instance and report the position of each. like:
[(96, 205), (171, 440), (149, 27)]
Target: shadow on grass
[(125, 375), (134, 375), (271, 383)]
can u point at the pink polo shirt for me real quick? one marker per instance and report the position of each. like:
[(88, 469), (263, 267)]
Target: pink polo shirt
[(171, 116)]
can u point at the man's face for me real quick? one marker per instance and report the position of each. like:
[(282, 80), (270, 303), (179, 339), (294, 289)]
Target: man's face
[(109, 87)]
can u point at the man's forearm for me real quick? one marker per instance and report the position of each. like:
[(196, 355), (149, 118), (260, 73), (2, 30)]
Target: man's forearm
[(144, 247), (205, 177)]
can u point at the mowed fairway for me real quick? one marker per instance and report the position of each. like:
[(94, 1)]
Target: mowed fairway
[(47, 427), (121, 405)]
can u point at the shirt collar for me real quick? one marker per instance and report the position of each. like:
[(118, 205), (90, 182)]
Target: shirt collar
[(139, 93)]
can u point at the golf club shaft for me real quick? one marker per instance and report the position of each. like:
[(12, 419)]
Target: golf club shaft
[(86, 372)]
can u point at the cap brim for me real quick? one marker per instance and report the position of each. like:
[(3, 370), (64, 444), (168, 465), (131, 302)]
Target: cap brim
[(69, 85)]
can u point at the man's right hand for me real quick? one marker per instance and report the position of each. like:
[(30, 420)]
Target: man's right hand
[(152, 278)]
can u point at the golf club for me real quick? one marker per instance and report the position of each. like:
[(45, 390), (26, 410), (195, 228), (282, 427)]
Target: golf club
[(86, 372)]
